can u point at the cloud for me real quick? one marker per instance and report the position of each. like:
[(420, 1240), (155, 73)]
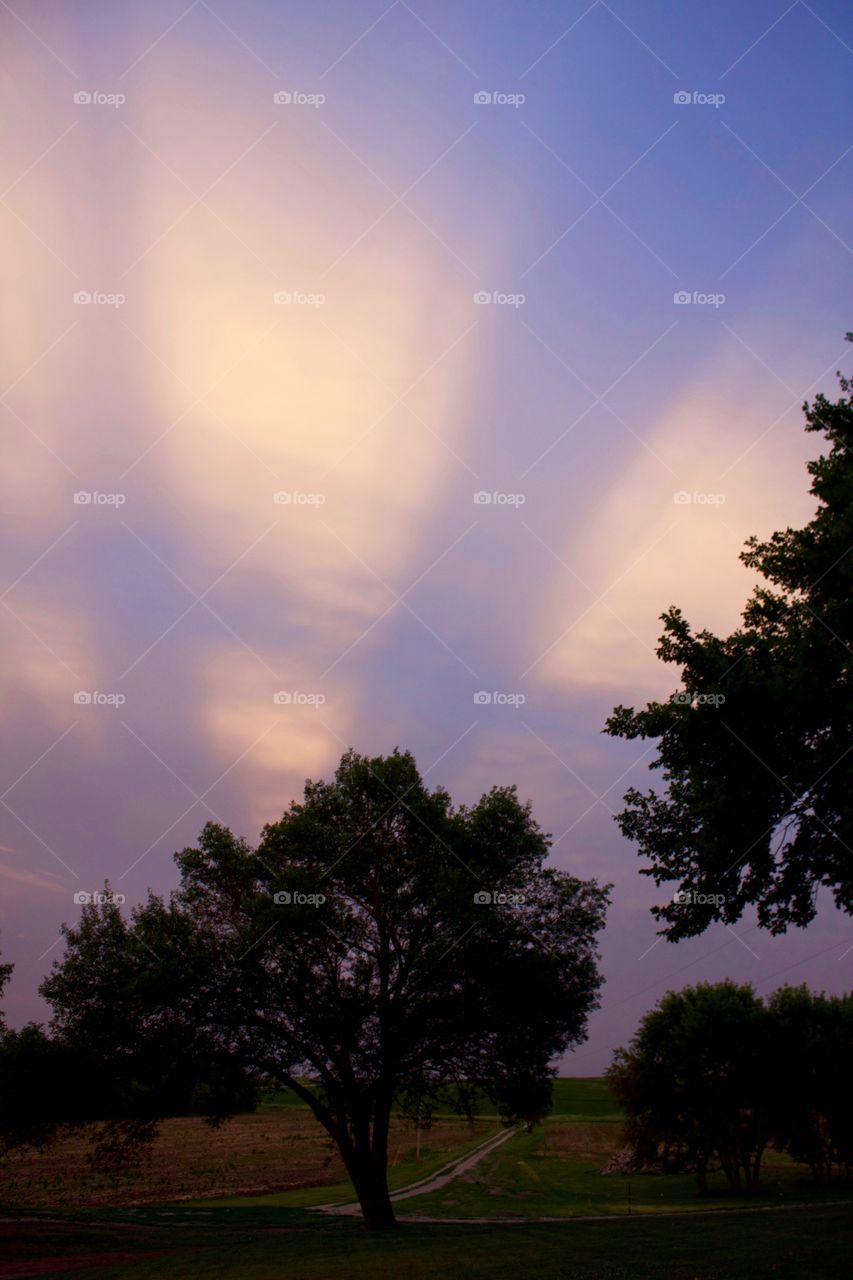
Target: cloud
[(32, 879), (270, 745), (669, 530)]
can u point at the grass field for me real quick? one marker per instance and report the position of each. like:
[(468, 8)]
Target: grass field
[(807, 1244), (233, 1204), (579, 1098), (555, 1172)]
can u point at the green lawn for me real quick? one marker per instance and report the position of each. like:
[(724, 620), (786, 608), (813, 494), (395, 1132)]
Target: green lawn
[(806, 1244), (535, 1175), (579, 1098), (584, 1098)]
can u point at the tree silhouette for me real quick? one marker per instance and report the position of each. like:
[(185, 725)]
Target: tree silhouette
[(756, 751), (379, 949)]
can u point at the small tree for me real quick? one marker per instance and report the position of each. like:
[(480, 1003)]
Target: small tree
[(378, 947), (694, 1084)]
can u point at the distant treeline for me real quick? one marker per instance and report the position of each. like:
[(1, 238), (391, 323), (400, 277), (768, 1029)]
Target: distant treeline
[(715, 1075)]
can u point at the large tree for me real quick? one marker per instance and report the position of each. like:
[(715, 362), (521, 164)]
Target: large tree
[(379, 949), (756, 749)]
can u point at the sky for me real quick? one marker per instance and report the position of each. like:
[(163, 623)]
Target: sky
[(379, 356)]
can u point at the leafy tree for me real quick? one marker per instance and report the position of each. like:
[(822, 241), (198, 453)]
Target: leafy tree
[(378, 949), (813, 1068), (118, 1074), (755, 751), (694, 1084), (114, 973)]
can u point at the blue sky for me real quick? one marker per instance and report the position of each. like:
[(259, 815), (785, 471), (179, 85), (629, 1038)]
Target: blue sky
[(382, 198)]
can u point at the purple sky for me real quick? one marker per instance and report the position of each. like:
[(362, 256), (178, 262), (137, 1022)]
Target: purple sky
[(625, 155)]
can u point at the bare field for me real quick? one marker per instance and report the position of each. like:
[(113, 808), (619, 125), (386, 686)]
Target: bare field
[(269, 1151), (581, 1139)]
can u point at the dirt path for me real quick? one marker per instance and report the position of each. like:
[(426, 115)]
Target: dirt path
[(434, 1181)]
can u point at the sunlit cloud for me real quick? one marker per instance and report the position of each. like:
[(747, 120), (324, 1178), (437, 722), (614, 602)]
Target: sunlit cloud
[(668, 531)]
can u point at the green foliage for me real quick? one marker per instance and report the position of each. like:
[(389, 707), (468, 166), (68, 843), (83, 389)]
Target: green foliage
[(814, 1046), (754, 752), (350, 957), (122, 995), (694, 1084), (714, 1074)]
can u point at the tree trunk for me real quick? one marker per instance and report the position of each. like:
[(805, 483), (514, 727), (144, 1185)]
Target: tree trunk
[(366, 1159), (370, 1179)]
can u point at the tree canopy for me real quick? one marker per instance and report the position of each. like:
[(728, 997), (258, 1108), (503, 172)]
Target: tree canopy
[(693, 1084), (756, 749), (378, 949), (714, 1075)]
